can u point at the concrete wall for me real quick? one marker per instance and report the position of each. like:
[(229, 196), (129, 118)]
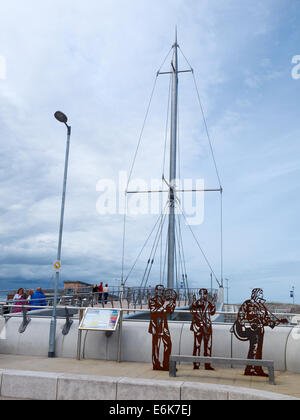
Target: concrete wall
[(57, 386), (281, 344)]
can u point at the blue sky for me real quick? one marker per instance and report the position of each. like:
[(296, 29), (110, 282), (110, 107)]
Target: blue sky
[(97, 62)]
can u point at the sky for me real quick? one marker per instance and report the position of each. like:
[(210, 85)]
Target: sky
[(97, 62)]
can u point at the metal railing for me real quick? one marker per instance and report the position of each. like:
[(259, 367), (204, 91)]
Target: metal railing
[(82, 308), (130, 297)]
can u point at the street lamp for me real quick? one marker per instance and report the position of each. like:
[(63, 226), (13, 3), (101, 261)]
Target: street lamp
[(61, 117)]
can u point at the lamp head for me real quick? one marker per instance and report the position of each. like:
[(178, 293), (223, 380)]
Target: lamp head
[(61, 117)]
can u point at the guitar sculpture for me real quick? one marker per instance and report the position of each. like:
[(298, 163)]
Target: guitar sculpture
[(253, 316)]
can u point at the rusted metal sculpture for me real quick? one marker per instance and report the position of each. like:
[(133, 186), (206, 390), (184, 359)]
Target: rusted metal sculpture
[(161, 305), (252, 317), (202, 310)]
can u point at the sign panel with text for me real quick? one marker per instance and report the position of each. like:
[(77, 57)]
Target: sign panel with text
[(96, 319)]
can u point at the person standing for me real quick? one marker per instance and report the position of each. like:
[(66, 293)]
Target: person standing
[(30, 293), (100, 290), (95, 293), (105, 291), (19, 294), (38, 299), (19, 300)]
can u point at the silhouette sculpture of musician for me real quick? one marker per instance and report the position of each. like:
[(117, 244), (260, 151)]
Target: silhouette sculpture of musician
[(162, 304), (202, 310), (252, 317)]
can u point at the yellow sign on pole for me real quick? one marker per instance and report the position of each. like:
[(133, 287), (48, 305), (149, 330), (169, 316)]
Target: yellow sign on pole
[(57, 265)]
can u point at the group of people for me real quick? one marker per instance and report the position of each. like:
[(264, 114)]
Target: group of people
[(36, 298), (32, 298), (101, 292)]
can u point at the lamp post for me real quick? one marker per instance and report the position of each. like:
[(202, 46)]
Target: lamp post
[(61, 117)]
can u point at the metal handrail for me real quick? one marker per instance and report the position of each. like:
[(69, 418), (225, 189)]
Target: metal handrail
[(120, 309), (134, 297)]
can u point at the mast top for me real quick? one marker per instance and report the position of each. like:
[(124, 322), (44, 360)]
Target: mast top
[(176, 43)]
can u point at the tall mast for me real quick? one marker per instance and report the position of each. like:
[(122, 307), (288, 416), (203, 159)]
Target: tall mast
[(173, 154)]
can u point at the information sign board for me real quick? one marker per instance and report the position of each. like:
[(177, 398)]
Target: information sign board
[(98, 319)]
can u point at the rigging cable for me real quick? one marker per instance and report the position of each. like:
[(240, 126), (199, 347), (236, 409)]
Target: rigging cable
[(197, 242), (167, 128), (214, 159), (124, 234), (163, 172), (180, 255), (134, 160), (143, 247), (145, 120), (181, 251), (176, 268), (184, 263), (165, 259), (153, 251), (204, 120), (179, 237)]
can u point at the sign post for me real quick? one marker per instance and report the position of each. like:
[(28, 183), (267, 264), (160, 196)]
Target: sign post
[(120, 336)]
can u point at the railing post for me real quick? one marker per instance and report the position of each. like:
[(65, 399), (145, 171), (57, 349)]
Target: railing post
[(120, 336), (79, 336), (271, 375), (172, 371)]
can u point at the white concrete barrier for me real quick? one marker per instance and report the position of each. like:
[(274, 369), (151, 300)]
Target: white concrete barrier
[(200, 392), (86, 387), (281, 344), (293, 350), (148, 389), (58, 386), (29, 385)]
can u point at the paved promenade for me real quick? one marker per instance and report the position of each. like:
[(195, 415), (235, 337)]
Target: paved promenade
[(286, 383)]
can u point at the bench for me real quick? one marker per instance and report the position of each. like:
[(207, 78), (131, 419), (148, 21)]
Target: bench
[(222, 361)]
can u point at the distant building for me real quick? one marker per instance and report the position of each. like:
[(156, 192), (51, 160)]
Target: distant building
[(77, 285)]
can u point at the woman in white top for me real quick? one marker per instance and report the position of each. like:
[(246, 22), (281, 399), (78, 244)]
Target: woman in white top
[(19, 294), (19, 300)]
